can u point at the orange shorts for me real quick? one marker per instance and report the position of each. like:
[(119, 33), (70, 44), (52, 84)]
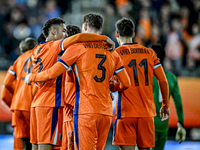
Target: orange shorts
[(91, 131), (21, 123), (68, 135), (17, 143), (46, 125), (134, 131)]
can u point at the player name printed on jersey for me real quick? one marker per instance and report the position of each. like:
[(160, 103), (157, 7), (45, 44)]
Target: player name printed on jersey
[(133, 50), (95, 45)]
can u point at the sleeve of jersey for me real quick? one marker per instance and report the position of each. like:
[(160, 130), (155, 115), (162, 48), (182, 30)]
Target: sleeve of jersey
[(6, 96), (121, 73), (34, 89), (178, 102), (56, 70), (8, 81), (160, 75), (81, 37), (70, 56), (156, 60)]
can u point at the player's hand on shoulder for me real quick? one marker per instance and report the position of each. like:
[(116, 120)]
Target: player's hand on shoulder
[(110, 43), (27, 79), (164, 114), (180, 133)]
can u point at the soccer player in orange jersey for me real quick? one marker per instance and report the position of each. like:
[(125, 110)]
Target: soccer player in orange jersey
[(7, 94), (22, 94), (68, 124), (47, 106), (134, 124), (93, 65)]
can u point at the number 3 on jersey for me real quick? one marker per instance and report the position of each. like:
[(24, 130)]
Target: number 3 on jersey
[(141, 64), (100, 67)]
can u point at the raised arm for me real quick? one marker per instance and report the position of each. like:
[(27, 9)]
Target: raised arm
[(56, 70), (86, 37), (82, 37)]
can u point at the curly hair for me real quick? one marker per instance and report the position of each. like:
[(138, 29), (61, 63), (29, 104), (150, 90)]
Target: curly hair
[(41, 38), (125, 27), (93, 20), (49, 23), (72, 30), (27, 44)]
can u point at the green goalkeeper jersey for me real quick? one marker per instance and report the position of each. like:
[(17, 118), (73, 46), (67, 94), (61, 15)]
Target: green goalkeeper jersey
[(161, 126)]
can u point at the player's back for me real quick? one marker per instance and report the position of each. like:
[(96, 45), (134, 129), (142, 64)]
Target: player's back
[(23, 94), (137, 100), (49, 93), (94, 66)]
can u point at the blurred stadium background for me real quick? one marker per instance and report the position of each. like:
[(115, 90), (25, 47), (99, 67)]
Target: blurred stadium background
[(156, 21)]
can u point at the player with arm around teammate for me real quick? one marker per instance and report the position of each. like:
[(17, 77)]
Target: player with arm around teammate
[(134, 124), (93, 66), (47, 106), (161, 127)]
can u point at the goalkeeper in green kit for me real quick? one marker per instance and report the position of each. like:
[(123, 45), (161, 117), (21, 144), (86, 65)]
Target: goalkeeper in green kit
[(161, 127)]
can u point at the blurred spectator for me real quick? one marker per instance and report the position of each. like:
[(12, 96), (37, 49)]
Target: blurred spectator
[(155, 34), (51, 10), (194, 49), (123, 6), (144, 27), (21, 31), (35, 26), (22, 18), (174, 47)]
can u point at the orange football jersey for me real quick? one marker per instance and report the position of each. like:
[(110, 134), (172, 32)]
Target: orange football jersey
[(94, 65), (44, 56), (137, 100), (23, 93)]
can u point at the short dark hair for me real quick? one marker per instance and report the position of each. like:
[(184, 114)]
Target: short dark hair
[(27, 44), (159, 49), (41, 38), (94, 20), (125, 27), (49, 23), (72, 30)]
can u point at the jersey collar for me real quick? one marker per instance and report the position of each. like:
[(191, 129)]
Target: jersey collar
[(43, 42), (129, 43)]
